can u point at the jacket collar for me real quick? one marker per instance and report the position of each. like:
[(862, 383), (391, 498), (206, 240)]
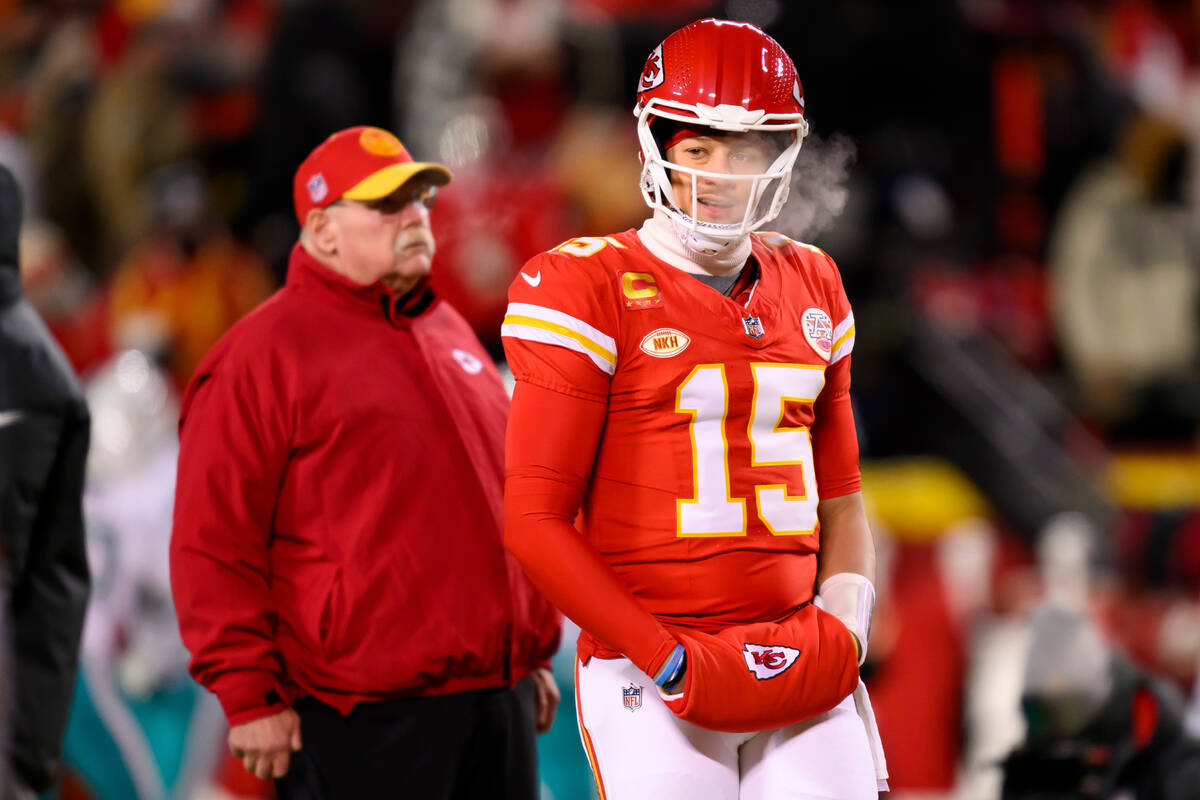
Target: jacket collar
[(308, 274)]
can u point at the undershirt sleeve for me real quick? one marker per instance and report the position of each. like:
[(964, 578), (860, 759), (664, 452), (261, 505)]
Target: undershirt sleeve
[(835, 438), (551, 445)]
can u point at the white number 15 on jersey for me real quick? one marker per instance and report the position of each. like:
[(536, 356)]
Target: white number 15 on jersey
[(704, 394)]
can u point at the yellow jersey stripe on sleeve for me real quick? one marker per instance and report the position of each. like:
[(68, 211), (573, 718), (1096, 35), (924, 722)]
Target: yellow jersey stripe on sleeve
[(842, 328), (844, 347), (536, 330), (848, 336), (557, 317), (843, 338)]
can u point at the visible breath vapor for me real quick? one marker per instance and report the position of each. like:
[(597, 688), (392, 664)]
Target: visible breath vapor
[(819, 187)]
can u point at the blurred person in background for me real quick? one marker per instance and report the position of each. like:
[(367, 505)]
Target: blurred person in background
[(1126, 286), (50, 94), (494, 112), (44, 427), (72, 303), (138, 120), (187, 281), (1097, 725), (139, 727), (667, 380), (336, 562)]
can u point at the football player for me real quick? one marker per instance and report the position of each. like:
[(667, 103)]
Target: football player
[(682, 397)]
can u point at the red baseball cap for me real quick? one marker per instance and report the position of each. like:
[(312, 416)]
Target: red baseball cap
[(359, 163)]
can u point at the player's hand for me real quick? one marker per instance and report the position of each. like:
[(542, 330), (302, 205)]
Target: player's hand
[(546, 698), (265, 745)]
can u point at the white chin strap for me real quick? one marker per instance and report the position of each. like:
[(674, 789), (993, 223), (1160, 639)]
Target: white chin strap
[(706, 237)]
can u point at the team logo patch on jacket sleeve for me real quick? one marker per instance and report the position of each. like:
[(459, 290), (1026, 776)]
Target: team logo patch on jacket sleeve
[(768, 660), (470, 364)]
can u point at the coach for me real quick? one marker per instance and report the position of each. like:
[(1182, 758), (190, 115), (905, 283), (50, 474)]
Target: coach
[(336, 560)]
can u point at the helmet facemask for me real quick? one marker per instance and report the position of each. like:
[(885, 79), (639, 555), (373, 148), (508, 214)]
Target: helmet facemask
[(768, 190)]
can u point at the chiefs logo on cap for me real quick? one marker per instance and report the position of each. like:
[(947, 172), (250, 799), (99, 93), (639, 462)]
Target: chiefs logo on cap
[(652, 73), (379, 142)]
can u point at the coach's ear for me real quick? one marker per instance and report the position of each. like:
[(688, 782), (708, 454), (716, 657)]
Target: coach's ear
[(320, 233)]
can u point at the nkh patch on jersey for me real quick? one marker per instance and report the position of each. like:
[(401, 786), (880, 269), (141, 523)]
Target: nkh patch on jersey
[(768, 660), (665, 342)]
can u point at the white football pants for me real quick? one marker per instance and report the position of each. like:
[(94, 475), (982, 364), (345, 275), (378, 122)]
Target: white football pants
[(647, 752)]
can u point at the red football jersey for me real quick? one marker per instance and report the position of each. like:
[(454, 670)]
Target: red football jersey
[(726, 418)]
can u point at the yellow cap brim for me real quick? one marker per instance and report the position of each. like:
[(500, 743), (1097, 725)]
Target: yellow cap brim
[(393, 176)]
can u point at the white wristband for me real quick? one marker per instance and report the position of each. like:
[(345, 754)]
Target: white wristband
[(851, 598)]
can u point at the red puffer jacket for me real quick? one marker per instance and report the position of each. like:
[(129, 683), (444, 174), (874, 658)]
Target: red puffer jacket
[(339, 501)]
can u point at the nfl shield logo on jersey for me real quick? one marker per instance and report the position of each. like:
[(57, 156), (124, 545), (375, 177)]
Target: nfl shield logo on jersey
[(753, 326), (768, 660), (632, 696)]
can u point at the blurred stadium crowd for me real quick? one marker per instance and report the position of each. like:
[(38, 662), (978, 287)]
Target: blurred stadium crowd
[(1010, 189)]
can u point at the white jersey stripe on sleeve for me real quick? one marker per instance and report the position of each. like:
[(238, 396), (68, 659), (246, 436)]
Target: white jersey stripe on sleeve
[(565, 320), (843, 339), (537, 331), (846, 344), (842, 327)]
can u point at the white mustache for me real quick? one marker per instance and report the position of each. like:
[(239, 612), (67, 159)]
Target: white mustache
[(413, 236)]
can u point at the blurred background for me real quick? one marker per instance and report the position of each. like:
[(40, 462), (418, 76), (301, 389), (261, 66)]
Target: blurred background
[(1010, 189)]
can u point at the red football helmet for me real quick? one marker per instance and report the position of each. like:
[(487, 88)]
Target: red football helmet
[(730, 76)]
